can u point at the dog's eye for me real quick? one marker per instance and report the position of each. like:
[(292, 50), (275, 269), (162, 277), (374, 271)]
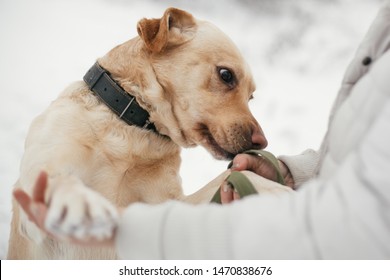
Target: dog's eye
[(226, 75)]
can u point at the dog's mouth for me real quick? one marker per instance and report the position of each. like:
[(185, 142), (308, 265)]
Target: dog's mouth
[(209, 142)]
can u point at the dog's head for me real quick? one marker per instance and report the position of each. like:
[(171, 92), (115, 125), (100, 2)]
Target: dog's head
[(193, 81)]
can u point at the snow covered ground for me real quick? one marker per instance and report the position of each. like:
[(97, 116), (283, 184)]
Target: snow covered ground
[(297, 50)]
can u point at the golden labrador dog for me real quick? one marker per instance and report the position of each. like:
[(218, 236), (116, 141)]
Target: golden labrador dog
[(115, 138)]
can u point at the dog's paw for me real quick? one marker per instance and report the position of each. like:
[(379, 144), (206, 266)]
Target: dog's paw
[(79, 212)]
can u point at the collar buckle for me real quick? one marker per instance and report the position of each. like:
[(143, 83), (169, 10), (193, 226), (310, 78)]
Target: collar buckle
[(127, 107)]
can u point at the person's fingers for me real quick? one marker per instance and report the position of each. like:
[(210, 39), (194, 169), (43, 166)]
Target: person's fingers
[(236, 195), (247, 162), (24, 201), (226, 193), (256, 164), (36, 212), (40, 187), (34, 206), (239, 163)]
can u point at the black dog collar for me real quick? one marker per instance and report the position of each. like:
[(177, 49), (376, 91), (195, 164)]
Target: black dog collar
[(116, 98)]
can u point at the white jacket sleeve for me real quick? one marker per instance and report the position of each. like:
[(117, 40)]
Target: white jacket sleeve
[(345, 217), (302, 167)]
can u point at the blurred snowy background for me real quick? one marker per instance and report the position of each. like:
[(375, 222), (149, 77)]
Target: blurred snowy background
[(298, 51)]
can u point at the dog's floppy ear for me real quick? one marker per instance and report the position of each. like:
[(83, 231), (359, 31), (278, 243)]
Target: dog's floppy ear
[(174, 28)]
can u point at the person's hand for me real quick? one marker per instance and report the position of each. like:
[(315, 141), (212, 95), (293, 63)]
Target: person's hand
[(36, 210), (34, 206), (257, 165)]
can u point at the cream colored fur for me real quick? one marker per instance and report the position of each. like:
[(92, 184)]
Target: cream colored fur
[(172, 69)]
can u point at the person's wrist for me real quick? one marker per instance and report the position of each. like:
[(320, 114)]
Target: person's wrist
[(287, 176)]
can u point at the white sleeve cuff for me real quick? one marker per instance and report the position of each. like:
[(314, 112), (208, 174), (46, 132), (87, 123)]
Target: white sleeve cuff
[(303, 166)]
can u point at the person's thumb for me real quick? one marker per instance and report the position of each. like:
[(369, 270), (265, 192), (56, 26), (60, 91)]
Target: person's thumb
[(245, 162)]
